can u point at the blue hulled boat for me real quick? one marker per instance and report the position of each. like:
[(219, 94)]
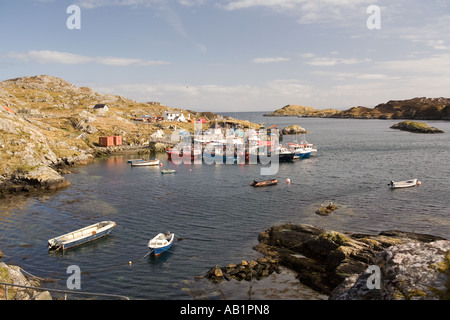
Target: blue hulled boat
[(160, 243)]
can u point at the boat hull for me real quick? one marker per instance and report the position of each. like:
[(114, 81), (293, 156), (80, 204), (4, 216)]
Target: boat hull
[(81, 236), (158, 248), (403, 184), (264, 183), (145, 163)]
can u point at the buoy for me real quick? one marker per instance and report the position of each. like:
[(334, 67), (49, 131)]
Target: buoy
[(160, 164), (129, 262), (419, 183), (288, 180)]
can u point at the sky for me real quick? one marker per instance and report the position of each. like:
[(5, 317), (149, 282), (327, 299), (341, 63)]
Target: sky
[(234, 55)]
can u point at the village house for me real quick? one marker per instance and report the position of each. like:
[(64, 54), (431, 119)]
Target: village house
[(174, 116)]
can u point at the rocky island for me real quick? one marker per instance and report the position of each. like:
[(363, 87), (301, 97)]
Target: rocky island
[(411, 265), (417, 108), (418, 127)]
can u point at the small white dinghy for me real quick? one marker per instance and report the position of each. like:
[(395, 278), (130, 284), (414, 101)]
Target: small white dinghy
[(81, 236), (160, 243), (403, 184)]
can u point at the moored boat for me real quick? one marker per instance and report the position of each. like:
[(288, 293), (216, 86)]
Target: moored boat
[(403, 184), (135, 160), (302, 150), (168, 171), (145, 163), (81, 236), (264, 183), (160, 243)]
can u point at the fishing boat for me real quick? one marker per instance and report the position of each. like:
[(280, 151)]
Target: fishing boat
[(81, 236), (145, 163), (302, 150), (168, 171), (264, 183), (160, 243), (403, 184)]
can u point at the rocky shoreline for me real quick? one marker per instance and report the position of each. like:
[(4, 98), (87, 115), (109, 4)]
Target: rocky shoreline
[(411, 265), (14, 275)]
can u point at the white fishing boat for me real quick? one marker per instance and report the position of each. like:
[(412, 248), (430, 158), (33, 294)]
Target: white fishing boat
[(403, 184), (81, 236), (145, 163)]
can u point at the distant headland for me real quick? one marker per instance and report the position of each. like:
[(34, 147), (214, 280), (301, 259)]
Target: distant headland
[(412, 109)]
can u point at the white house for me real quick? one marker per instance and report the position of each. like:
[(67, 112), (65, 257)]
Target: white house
[(101, 106), (174, 116)]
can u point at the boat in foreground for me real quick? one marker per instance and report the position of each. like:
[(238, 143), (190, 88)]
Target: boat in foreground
[(264, 183), (160, 243), (145, 163), (81, 236), (403, 184)]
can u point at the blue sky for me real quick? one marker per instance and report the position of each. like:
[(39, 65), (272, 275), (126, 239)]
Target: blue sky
[(234, 55)]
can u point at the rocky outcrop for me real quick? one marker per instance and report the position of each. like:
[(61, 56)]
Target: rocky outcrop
[(13, 275), (412, 271), (294, 129), (418, 127), (33, 155), (325, 260)]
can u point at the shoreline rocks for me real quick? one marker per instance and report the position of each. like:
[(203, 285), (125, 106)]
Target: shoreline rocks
[(13, 274), (336, 264), (246, 270)]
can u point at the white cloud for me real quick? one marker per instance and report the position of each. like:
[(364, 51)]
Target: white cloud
[(311, 11), (57, 57), (270, 60), (328, 62), (90, 4), (210, 97)]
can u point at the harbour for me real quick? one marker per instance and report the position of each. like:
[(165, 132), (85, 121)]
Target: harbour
[(219, 216)]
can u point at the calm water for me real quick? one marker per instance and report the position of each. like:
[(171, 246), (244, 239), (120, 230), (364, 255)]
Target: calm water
[(220, 216)]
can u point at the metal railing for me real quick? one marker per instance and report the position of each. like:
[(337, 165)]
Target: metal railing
[(66, 292)]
